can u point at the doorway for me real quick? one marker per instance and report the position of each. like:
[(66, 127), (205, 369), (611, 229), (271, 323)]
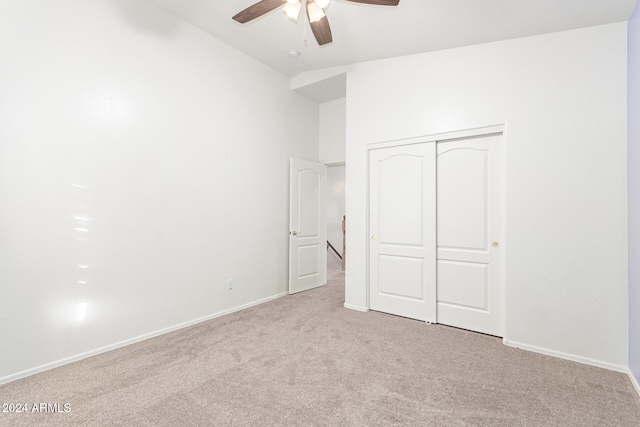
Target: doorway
[(336, 217)]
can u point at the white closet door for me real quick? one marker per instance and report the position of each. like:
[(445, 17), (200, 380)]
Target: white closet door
[(402, 226), (470, 291)]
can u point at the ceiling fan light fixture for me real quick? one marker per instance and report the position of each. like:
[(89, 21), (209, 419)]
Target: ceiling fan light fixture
[(315, 12), (292, 10)]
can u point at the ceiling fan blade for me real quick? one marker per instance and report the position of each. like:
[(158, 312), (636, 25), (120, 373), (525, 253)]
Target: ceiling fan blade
[(322, 31), (377, 2), (257, 10)]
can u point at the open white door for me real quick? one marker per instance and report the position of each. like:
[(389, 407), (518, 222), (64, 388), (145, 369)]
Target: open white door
[(307, 226)]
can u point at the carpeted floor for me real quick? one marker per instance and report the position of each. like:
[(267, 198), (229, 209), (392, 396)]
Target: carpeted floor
[(304, 360)]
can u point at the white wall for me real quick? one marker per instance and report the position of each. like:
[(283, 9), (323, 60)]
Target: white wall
[(335, 205), (333, 122), (633, 161), (171, 148), (562, 97)]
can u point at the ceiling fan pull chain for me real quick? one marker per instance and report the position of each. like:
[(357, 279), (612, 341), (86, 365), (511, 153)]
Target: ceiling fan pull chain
[(305, 30)]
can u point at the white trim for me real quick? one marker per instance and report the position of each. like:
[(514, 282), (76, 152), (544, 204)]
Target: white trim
[(356, 307), (91, 353), (634, 382), (440, 137), (505, 236), (567, 356), (366, 236)]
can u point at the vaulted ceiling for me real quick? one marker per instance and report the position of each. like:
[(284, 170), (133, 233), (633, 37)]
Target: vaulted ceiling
[(363, 32)]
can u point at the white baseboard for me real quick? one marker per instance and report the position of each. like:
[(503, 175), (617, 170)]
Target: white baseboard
[(355, 307), (634, 381), (566, 356), (95, 352)]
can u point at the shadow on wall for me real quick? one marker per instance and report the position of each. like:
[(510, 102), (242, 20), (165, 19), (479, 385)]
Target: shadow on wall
[(147, 18)]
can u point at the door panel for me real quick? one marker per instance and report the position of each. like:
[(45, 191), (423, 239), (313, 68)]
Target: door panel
[(463, 284), (307, 233), (469, 286), (400, 212), (401, 277), (307, 260), (402, 230), (462, 198), (309, 201)]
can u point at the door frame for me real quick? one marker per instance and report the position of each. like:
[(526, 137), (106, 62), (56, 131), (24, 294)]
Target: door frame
[(442, 137)]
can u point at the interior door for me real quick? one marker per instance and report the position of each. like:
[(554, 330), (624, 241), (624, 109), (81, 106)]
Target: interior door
[(470, 289), (308, 229), (402, 225)]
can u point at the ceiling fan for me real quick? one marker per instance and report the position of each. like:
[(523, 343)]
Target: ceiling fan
[(315, 13)]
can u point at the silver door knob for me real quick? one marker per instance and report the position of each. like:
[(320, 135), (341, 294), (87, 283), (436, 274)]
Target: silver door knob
[(294, 233), (373, 237)]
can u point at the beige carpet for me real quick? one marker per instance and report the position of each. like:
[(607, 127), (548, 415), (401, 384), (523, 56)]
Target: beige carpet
[(304, 360)]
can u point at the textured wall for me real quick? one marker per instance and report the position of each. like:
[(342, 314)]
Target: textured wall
[(333, 131), (143, 163)]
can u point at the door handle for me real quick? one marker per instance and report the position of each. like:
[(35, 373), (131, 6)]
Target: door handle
[(373, 237), (294, 233)]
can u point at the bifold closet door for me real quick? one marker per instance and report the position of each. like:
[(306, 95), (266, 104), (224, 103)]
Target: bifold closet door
[(402, 230)]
